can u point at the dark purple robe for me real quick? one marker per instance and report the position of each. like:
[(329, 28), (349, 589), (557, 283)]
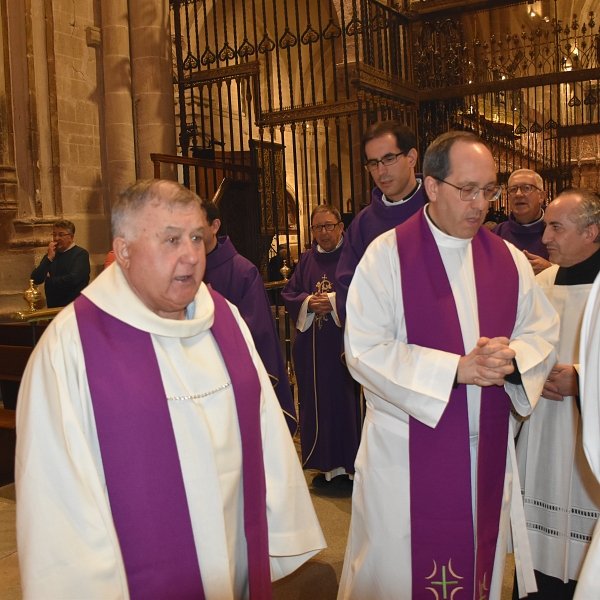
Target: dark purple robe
[(330, 414), (523, 237), (236, 278), (370, 223)]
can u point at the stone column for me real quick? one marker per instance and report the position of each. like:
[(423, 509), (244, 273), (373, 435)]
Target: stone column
[(118, 102), (8, 175), (152, 82)]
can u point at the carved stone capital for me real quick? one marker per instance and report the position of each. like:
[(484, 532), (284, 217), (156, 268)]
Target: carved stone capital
[(35, 232), (8, 188)]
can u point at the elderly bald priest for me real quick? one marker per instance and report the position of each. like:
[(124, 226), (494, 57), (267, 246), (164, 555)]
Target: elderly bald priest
[(153, 460), (434, 352)]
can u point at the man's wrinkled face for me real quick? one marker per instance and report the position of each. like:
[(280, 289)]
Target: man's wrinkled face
[(566, 245), (63, 238), (328, 240), (526, 208), (470, 164), (165, 262), (396, 181)]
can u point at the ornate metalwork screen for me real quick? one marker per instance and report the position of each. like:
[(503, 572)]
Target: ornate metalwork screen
[(531, 91), (290, 85)]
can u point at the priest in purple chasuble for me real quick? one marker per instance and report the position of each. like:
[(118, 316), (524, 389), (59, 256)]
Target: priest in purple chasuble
[(445, 328), (560, 492), (525, 225), (589, 381), (239, 281), (390, 150), (330, 416), (153, 460)]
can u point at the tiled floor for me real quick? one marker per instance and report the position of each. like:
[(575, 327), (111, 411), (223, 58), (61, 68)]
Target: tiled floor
[(10, 587)]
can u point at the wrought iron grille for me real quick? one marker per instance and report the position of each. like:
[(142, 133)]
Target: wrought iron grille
[(289, 86), (533, 94), (446, 55)]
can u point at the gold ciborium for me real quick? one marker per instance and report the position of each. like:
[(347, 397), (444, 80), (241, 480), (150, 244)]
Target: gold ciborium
[(32, 296), (285, 271)]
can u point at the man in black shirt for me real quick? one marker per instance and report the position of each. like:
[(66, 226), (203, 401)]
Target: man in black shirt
[(65, 270)]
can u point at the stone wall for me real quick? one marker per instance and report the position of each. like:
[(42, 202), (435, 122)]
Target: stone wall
[(67, 102), (59, 166)]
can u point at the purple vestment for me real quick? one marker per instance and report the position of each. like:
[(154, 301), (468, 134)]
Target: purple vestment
[(444, 549), (371, 222), (141, 462), (330, 415), (524, 237), (236, 278)]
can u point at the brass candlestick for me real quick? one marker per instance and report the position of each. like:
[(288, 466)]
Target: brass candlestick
[(32, 296)]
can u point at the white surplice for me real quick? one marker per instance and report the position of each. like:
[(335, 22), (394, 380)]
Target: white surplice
[(67, 542), (404, 380), (560, 493), (589, 388)]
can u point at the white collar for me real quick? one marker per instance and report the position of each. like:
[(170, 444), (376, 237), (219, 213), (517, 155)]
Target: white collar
[(319, 249), (533, 222), (390, 203), (112, 294), (443, 239)]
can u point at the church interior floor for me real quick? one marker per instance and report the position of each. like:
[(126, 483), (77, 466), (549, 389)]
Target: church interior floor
[(316, 580), (10, 586)]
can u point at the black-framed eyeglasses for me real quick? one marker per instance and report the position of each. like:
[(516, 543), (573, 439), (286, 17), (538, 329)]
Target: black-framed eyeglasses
[(469, 192), (526, 188), (386, 161), (327, 226)]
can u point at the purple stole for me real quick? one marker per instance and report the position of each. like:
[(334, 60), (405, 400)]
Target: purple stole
[(446, 554), (140, 459)]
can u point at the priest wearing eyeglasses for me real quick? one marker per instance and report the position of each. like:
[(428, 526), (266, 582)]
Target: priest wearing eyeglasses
[(330, 418), (390, 150), (445, 328), (525, 225)]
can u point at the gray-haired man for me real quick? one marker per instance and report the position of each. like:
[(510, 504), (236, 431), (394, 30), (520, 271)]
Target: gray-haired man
[(153, 459), (561, 494)]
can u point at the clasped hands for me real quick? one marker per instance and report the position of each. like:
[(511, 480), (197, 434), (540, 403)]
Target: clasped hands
[(320, 304), (488, 363), (562, 381)]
